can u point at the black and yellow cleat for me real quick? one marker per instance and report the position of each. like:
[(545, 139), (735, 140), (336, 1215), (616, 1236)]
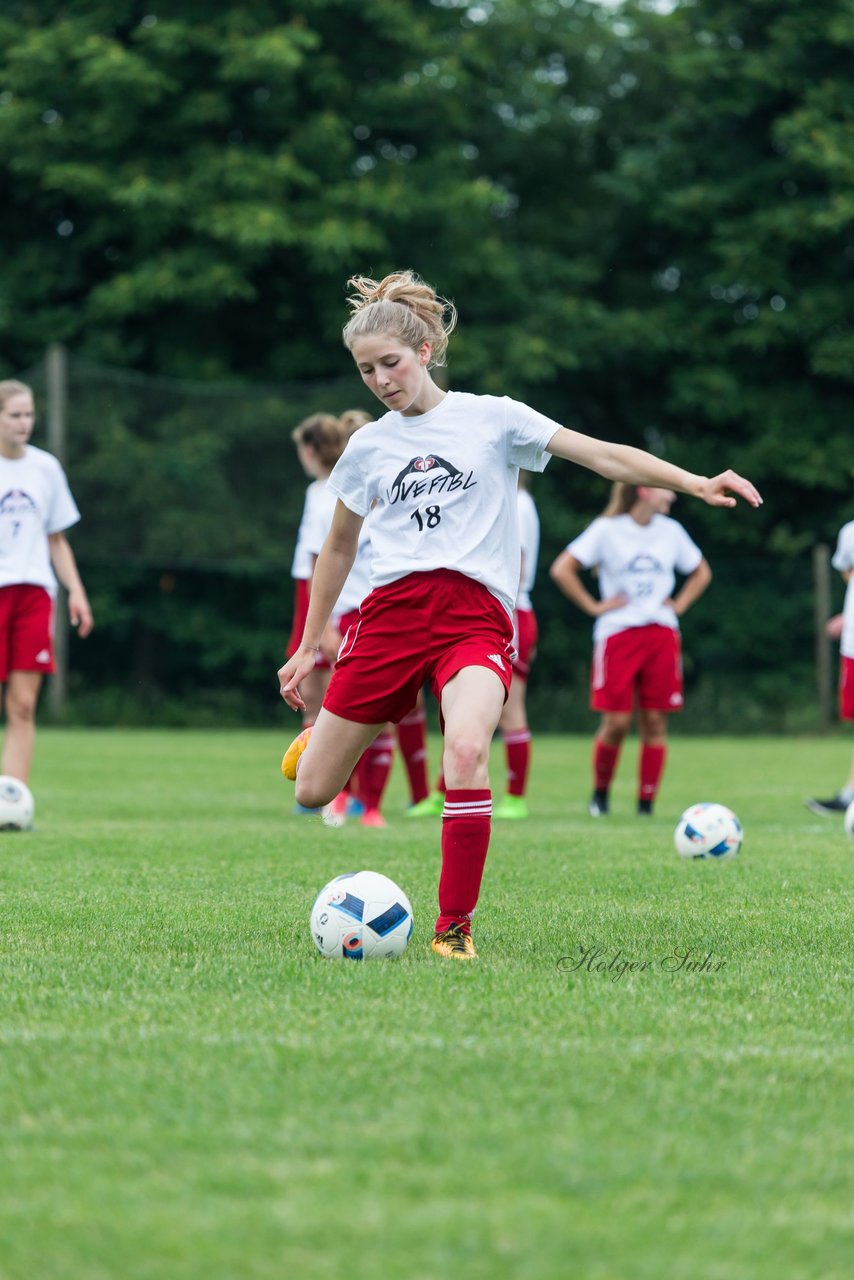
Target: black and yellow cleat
[(454, 944), (290, 759)]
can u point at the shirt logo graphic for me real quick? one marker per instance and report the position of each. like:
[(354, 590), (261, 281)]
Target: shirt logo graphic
[(15, 502), (644, 563), (497, 659), (445, 478)]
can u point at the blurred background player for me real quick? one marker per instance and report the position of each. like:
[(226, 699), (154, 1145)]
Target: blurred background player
[(363, 792), (319, 442), (842, 628), (637, 660), (514, 718), (36, 507)]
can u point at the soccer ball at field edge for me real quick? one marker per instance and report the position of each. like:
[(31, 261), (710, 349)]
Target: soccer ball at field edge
[(848, 821), (16, 804), (708, 831), (362, 915)]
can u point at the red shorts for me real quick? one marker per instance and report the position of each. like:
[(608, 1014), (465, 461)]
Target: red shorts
[(26, 630), (301, 594), (525, 639), (846, 688), (426, 626), (641, 666)]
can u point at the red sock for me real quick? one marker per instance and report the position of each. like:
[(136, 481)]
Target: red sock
[(517, 748), (605, 760), (373, 770), (650, 769), (466, 824), (440, 782), (412, 737)]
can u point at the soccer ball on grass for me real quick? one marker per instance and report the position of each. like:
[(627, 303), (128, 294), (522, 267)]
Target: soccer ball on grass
[(708, 831), (16, 804), (361, 916)]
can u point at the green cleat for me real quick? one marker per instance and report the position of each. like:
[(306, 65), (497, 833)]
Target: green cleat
[(514, 807), (430, 807)]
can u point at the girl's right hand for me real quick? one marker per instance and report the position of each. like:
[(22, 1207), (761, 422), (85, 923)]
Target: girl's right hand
[(615, 602), (293, 673)]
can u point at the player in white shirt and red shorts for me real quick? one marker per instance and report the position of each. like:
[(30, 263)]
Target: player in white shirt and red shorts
[(440, 470), (513, 724), (319, 441), (36, 507), (841, 628), (637, 658)]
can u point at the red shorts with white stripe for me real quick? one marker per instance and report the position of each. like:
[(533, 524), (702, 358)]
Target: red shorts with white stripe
[(638, 667), (426, 626), (525, 639), (26, 630), (301, 594), (846, 688)]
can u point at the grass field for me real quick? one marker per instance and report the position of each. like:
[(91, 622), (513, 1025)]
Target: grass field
[(188, 1090)]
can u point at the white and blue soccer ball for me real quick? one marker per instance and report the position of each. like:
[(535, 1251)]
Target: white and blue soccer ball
[(848, 821), (361, 916), (16, 804), (708, 831)]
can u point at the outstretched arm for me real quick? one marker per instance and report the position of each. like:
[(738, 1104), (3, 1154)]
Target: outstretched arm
[(330, 573), (636, 466)]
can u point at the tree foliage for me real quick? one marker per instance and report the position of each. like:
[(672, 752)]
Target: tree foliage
[(644, 217)]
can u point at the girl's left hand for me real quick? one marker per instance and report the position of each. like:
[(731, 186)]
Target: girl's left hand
[(80, 613), (716, 490)]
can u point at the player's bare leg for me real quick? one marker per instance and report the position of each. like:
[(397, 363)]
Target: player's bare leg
[(472, 702), (20, 702), (312, 688), (330, 756)]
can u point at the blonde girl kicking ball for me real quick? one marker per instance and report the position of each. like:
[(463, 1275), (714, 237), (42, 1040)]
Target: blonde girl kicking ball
[(440, 468)]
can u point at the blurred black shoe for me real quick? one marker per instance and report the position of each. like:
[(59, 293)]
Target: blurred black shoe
[(828, 808), (598, 806)]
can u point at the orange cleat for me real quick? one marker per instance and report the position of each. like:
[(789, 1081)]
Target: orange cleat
[(290, 759)]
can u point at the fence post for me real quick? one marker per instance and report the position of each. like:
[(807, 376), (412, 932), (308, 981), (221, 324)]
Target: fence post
[(56, 368), (821, 596)]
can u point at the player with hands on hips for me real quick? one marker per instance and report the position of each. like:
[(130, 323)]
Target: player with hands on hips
[(440, 470), (36, 507), (841, 628), (637, 659)]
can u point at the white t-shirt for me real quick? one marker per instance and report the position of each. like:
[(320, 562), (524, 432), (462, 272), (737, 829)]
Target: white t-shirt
[(843, 560), (302, 566), (639, 561), (358, 582), (529, 532), (35, 501), (319, 522), (444, 484)]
